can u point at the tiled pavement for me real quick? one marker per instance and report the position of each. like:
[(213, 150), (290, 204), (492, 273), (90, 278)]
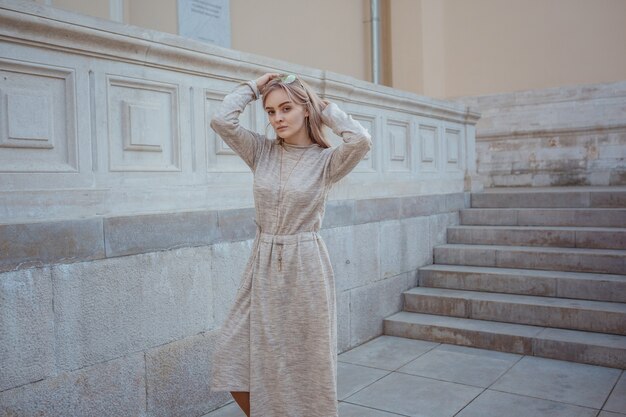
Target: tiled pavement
[(392, 376)]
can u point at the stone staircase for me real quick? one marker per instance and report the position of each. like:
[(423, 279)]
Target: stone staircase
[(537, 272)]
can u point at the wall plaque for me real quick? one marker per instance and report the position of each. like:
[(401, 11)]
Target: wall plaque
[(205, 20)]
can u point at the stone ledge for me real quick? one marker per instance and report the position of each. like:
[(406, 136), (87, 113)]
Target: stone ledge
[(26, 245)]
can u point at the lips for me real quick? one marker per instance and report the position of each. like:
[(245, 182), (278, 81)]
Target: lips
[(281, 127)]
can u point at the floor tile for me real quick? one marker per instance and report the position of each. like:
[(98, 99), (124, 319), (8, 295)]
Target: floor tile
[(567, 382), (498, 404), (352, 378), (230, 410), (610, 414), (617, 399), (387, 352), (415, 396), (461, 364), (351, 410)]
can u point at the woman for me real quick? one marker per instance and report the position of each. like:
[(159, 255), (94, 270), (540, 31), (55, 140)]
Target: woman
[(277, 347)]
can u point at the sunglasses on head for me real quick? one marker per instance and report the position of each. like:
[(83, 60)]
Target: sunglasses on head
[(287, 79)]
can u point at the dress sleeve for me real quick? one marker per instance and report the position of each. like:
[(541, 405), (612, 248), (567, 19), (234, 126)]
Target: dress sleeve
[(225, 122), (356, 142)]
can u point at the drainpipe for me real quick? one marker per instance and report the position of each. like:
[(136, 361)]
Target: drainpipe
[(375, 31)]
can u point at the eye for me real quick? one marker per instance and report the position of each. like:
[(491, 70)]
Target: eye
[(270, 112), (286, 108)]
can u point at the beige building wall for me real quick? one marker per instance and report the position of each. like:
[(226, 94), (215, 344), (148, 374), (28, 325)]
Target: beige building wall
[(496, 46), (439, 48)]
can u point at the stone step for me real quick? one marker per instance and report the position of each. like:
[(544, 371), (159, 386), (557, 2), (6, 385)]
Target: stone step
[(571, 345), (569, 237), (551, 197), (576, 285), (593, 316), (605, 261), (576, 217)]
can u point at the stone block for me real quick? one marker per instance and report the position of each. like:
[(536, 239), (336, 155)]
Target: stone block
[(26, 327), (566, 382), (496, 404), (109, 308), (370, 304), (454, 202), (422, 205), (465, 255), (617, 399), (128, 235), (404, 245), (343, 321), (338, 213), (601, 239), (376, 210), (37, 244), (496, 217), (585, 347), (436, 301), (114, 388), (178, 375), (504, 337), (354, 254), (228, 262), (237, 224), (438, 226)]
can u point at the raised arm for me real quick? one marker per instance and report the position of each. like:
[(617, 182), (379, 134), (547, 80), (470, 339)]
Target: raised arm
[(356, 142), (225, 122)]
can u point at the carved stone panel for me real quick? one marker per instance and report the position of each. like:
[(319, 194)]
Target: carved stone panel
[(37, 118), (428, 148), (398, 146), (368, 163), (143, 125), (453, 143)]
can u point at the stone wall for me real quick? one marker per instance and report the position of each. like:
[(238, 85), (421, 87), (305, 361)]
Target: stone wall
[(125, 222), (555, 137), (131, 331)]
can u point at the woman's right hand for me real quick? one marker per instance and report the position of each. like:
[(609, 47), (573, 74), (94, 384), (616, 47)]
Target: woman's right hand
[(265, 78)]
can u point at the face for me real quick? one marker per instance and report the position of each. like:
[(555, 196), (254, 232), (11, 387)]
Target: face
[(286, 117)]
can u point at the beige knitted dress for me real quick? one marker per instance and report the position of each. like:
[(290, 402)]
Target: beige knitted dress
[(279, 341)]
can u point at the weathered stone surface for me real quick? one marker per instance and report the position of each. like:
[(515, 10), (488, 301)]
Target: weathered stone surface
[(464, 365), (114, 388), (585, 347), (404, 245), (403, 394), (387, 352), (178, 376), (109, 308), (572, 383), (465, 255), (423, 205), (228, 262), (505, 337), (438, 226), (237, 224), (503, 280), (338, 213), (37, 244), (343, 321), (354, 254), (496, 404), (370, 304), (352, 378), (617, 399), (26, 327), (129, 235), (377, 209)]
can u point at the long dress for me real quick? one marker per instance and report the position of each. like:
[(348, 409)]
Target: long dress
[(279, 340)]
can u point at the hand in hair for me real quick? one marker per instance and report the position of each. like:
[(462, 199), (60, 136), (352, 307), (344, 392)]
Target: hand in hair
[(265, 78)]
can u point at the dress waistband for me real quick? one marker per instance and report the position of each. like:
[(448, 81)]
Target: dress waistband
[(288, 239)]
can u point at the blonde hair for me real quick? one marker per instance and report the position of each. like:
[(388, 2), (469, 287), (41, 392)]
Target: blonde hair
[(300, 93)]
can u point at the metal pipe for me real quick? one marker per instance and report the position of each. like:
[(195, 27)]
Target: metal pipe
[(375, 31)]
